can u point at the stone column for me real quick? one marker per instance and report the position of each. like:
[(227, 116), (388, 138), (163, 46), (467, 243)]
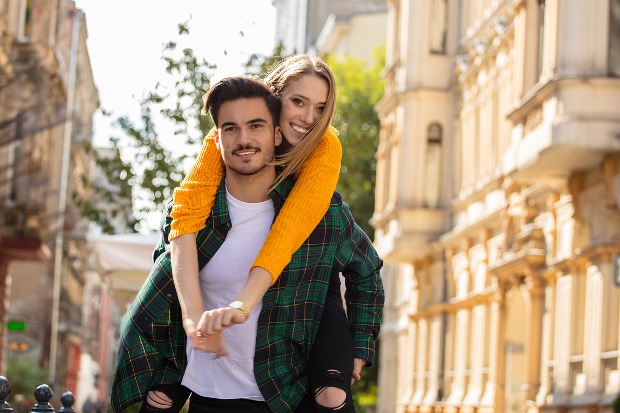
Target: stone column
[(547, 340), (5, 283), (478, 347), (534, 308), (567, 291), (600, 310), (493, 397), (461, 354)]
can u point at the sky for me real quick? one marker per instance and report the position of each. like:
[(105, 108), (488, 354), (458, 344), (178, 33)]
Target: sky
[(125, 39)]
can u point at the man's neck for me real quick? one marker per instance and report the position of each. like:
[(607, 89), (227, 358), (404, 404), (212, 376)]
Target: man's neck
[(250, 188)]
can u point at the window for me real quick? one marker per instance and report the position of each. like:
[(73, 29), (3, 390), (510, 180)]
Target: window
[(614, 38), (433, 166), (26, 19), (439, 23), (541, 35)]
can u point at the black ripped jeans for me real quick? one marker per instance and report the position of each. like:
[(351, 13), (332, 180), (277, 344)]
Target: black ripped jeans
[(331, 357)]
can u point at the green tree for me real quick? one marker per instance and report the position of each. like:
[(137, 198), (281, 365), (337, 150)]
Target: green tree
[(360, 86), (142, 169), (25, 375)]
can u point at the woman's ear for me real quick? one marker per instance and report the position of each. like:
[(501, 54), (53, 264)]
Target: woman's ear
[(278, 136)]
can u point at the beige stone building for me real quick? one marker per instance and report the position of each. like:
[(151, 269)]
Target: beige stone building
[(498, 185), (47, 101)]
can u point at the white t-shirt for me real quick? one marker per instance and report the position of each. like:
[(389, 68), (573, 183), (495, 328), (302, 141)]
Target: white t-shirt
[(231, 376)]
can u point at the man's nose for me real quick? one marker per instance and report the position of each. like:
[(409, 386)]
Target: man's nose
[(244, 136)]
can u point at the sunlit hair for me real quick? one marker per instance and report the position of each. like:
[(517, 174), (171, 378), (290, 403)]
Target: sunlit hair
[(292, 68), (240, 87)]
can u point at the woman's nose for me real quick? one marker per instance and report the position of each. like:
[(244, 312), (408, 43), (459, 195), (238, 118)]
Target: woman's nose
[(308, 116)]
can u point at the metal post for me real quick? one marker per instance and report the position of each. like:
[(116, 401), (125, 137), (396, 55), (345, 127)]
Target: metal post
[(43, 394), (5, 390), (67, 401)]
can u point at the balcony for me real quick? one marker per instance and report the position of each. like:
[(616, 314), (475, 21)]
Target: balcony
[(404, 235), (563, 126)]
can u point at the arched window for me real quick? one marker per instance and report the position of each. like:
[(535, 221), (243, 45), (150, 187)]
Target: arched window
[(433, 166)]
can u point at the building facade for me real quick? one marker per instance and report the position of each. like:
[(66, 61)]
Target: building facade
[(299, 22), (47, 101), (497, 206)]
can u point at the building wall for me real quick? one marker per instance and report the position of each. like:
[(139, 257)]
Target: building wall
[(356, 35), (497, 200), (299, 22), (47, 100)]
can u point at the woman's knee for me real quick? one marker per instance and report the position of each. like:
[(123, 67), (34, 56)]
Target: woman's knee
[(331, 398)]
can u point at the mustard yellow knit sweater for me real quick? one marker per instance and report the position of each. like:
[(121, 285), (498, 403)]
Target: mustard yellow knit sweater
[(302, 211)]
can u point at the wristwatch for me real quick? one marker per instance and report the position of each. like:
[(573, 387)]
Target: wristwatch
[(239, 305)]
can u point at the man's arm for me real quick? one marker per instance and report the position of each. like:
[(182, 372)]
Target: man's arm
[(364, 289)]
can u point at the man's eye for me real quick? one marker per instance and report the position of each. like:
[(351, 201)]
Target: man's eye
[(229, 129)]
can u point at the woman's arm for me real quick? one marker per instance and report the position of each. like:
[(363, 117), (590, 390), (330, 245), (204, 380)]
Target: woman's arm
[(194, 199), (302, 211), (305, 206)]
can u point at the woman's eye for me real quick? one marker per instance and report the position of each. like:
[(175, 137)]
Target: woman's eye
[(298, 102), (321, 109)]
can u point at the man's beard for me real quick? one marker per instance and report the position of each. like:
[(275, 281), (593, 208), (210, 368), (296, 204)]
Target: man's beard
[(249, 170)]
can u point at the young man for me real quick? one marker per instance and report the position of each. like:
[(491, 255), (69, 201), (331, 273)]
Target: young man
[(265, 368)]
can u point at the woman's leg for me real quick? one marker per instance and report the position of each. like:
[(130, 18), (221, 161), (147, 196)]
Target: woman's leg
[(165, 398), (331, 359)]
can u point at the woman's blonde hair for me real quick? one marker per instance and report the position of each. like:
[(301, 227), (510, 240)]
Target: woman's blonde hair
[(292, 68)]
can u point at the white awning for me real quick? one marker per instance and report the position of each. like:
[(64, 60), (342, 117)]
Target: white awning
[(126, 260)]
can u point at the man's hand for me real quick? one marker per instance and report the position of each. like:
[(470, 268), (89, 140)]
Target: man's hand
[(215, 321), (357, 369), (209, 344)]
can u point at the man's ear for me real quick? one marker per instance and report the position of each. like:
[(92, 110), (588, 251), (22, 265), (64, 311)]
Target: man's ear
[(216, 138), (278, 136)]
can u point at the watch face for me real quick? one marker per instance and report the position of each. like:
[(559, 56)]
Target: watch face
[(236, 304)]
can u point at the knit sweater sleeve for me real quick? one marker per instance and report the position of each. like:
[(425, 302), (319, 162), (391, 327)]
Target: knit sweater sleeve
[(195, 197), (304, 207)]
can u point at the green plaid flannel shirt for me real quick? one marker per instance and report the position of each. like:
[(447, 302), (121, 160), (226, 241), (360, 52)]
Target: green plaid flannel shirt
[(153, 343)]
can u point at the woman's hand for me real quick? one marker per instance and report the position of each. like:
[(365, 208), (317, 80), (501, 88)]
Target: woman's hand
[(357, 369), (216, 321)]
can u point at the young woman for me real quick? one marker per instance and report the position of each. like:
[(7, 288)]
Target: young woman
[(307, 90)]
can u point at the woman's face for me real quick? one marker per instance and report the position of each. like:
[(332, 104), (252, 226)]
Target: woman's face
[(303, 102)]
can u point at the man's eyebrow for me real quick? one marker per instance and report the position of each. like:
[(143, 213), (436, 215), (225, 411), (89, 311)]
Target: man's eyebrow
[(227, 124), (257, 120), (250, 122)]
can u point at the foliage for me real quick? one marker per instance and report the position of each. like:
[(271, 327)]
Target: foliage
[(143, 169), (25, 375), (359, 88)]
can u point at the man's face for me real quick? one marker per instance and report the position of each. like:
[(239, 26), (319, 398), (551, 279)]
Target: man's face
[(246, 136)]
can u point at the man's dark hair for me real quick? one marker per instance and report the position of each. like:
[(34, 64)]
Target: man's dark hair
[(240, 87)]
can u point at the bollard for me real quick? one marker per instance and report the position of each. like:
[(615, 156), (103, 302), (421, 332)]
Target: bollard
[(43, 394), (5, 390), (67, 401)]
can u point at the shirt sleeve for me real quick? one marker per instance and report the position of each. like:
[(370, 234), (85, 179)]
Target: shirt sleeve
[(304, 207), (364, 294), (195, 197)]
